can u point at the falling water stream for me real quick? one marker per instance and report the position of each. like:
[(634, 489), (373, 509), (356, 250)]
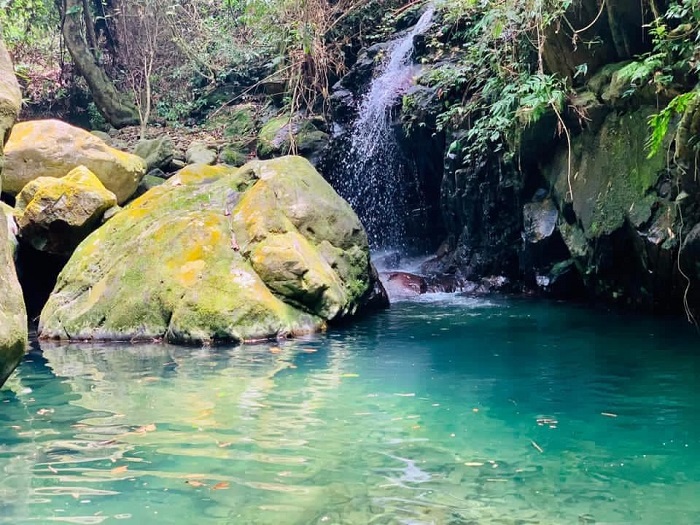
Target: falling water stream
[(374, 178)]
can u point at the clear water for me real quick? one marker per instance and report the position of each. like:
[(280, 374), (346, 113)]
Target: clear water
[(446, 411)]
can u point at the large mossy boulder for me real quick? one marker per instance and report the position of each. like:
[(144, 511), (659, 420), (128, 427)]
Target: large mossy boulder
[(55, 215), (217, 254), (51, 148), (13, 316), (10, 97)]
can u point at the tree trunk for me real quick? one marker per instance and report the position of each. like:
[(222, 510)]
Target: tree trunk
[(89, 27), (112, 104)]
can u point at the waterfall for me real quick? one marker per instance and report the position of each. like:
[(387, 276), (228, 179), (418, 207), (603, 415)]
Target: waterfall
[(373, 178)]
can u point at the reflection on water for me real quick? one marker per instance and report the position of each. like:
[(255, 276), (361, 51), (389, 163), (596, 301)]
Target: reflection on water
[(445, 411)]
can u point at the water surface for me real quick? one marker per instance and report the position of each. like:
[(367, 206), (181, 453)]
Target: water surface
[(448, 410)]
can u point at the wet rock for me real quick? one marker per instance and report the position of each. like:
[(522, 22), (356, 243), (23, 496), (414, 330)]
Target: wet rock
[(562, 281), (400, 285), (387, 261), (620, 230), (539, 220)]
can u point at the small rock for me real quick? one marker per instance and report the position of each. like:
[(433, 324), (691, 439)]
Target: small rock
[(176, 165), (158, 153), (148, 182), (201, 153), (101, 135)]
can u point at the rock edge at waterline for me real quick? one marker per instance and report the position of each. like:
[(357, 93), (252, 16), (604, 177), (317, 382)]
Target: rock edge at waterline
[(218, 254)]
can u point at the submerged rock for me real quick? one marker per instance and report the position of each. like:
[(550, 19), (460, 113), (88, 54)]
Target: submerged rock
[(55, 215), (51, 148), (218, 254)]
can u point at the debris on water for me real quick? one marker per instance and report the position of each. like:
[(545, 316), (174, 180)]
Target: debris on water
[(608, 414), (537, 447)]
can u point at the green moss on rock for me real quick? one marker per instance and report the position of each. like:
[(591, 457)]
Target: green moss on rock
[(611, 178), (13, 316), (217, 253)]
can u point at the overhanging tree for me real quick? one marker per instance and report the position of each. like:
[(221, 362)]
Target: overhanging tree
[(112, 104)]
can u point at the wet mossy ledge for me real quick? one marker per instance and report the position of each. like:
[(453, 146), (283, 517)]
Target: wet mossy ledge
[(218, 254)]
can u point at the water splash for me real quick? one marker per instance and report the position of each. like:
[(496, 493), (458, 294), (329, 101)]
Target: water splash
[(374, 178)]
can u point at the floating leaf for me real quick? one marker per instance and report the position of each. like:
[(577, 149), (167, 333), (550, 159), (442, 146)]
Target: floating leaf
[(146, 428), (195, 483), (275, 350), (119, 470), (221, 485)]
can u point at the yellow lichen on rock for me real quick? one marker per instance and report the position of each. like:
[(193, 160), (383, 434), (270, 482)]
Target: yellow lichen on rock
[(216, 255), (54, 215), (51, 148)]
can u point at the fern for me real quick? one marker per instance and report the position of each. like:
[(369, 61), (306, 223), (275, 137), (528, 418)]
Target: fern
[(659, 122)]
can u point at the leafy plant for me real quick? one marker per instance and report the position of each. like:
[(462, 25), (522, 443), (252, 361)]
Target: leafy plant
[(659, 122)]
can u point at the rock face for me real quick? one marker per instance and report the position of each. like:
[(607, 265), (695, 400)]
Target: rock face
[(13, 316), (617, 227), (218, 254), (55, 215), (51, 148)]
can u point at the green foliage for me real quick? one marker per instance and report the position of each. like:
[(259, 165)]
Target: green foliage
[(491, 80), (640, 72), (26, 22), (95, 118), (675, 59), (659, 122)]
